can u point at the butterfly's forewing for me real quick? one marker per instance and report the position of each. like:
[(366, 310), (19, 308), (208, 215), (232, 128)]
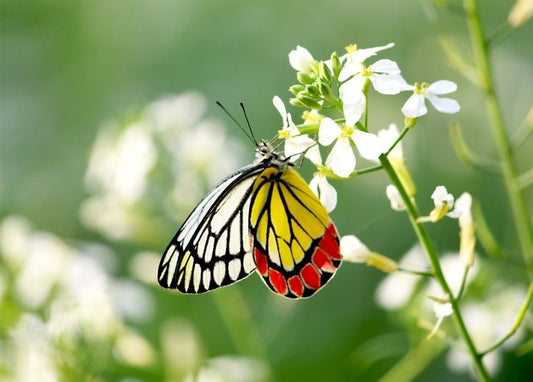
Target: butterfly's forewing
[(213, 246), (296, 246)]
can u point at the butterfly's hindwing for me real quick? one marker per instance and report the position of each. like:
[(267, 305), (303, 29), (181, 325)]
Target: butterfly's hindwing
[(296, 246), (213, 246)]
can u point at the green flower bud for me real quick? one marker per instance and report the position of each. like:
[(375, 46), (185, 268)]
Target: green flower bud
[(296, 102), (312, 90), (335, 64), (295, 89), (304, 78), (326, 92), (324, 73), (309, 101), (410, 122)]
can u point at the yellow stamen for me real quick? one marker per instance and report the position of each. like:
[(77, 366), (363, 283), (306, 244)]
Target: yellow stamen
[(352, 48), (284, 134)]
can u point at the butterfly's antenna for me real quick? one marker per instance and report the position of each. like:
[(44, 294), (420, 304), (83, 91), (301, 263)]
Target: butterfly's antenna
[(248, 123), (250, 136)]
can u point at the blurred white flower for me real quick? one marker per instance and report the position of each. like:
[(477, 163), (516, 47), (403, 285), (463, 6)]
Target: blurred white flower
[(169, 150), (133, 349), (120, 161), (395, 198), (232, 368), (415, 106), (487, 321), (397, 288), (179, 341), (467, 229), (33, 351)]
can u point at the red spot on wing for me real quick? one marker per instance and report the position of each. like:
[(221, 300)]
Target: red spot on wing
[(322, 261), (277, 281), (261, 261), (310, 276), (330, 243), (296, 286)]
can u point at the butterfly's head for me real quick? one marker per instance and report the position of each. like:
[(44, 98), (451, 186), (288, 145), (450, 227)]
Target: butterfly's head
[(267, 153)]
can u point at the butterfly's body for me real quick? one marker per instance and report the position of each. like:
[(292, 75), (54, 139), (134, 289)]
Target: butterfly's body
[(262, 217)]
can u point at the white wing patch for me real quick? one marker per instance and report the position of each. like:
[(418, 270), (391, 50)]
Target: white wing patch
[(213, 246)]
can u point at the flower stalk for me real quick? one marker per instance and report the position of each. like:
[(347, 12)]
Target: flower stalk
[(438, 274), (503, 144)]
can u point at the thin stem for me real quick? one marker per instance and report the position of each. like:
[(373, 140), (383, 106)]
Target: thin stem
[(400, 137), (486, 83), (463, 284), (426, 242), (413, 272), (518, 321)]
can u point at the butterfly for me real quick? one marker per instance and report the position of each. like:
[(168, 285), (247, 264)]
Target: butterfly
[(264, 217)]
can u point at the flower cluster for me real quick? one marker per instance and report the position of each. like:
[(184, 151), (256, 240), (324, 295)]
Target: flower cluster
[(132, 160), (342, 84)]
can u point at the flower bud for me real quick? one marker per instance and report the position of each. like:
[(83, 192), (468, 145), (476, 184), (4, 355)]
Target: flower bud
[(312, 90), (308, 101), (335, 64), (295, 89), (304, 78), (410, 122), (324, 74)]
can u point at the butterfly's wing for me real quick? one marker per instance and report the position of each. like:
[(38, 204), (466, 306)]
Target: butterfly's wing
[(296, 246), (213, 246)]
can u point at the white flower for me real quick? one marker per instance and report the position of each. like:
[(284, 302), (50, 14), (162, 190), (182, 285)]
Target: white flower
[(295, 143), (354, 57), (321, 187), (383, 74), (395, 198), (443, 202), (353, 250), (301, 60), (415, 106), (341, 159)]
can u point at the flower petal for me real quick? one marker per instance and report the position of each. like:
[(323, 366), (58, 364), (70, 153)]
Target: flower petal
[(386, 66), (325, 191), (415, 106), (395, 198), (387, 84), (300, 59), (444, 105), (280, 106), (352, 249), (368, 144), (328, 131), (341, 159), (442, 87)]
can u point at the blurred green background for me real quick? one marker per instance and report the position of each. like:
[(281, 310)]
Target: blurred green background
[(68, 66)]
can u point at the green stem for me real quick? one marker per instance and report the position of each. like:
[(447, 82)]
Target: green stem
[(486, 83), (426, 242)]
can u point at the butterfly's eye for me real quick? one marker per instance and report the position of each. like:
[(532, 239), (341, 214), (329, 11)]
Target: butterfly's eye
[(263, 150)]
